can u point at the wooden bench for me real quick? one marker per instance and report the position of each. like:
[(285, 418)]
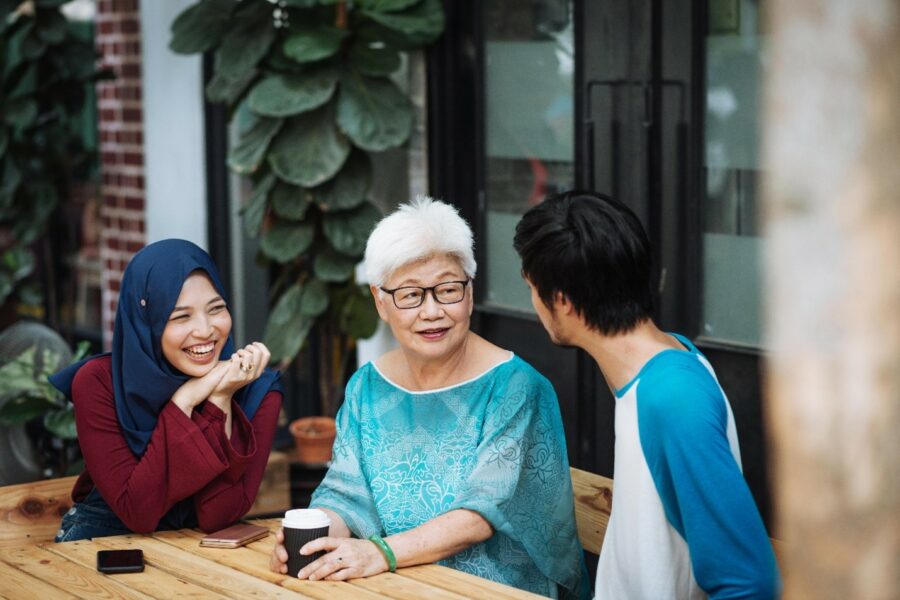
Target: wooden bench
[(593, 503), (30, 512)]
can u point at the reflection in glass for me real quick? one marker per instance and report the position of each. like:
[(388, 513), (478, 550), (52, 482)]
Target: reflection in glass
[(529, 126), (735, 62)]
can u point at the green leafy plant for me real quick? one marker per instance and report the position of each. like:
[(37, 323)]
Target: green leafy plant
[(26, 395), (312, 81), (44, 69)]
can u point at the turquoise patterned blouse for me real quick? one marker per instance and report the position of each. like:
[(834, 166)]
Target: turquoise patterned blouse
[(493, 444)]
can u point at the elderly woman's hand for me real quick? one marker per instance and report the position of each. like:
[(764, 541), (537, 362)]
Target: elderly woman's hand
[(345, 558)]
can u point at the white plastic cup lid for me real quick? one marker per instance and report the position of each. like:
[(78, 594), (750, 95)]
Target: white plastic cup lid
[(305, 518)]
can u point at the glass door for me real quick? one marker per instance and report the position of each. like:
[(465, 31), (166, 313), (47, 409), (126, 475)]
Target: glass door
[(529, 124), (732, 246)]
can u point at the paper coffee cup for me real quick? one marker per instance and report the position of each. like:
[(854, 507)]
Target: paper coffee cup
[(303, 525)]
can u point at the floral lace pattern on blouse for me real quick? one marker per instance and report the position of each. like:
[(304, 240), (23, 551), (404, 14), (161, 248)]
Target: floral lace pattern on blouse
[(494, 445)]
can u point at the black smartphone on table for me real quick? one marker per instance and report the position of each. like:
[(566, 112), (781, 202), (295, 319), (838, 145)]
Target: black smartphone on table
[(120, 561)]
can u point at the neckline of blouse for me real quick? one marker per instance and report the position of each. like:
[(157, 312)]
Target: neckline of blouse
[(512, 355)]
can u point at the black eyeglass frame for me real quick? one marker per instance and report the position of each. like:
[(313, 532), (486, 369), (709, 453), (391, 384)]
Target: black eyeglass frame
[(425, 291)]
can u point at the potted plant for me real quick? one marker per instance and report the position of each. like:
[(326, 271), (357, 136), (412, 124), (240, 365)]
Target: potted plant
[(314, 437), (312, 81)]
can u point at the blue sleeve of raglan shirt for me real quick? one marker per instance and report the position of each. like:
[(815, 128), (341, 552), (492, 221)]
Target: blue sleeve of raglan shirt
[(682, 423)]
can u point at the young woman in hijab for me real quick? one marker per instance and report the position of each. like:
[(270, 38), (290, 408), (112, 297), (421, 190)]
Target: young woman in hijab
[(174, 424)]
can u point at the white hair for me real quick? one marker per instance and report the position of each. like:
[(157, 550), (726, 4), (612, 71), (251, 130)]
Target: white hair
[(421, 229)]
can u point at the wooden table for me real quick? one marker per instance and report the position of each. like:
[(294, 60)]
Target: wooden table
[(177, 567)]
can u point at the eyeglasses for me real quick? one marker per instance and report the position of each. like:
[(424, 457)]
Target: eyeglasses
[(448, 292)]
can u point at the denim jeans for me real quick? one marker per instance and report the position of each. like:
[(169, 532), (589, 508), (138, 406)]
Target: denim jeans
[(92, 517)]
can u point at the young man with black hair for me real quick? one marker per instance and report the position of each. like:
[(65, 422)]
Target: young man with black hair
[(683, 524)]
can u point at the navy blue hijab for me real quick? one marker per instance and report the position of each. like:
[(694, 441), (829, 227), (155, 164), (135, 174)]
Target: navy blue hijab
[(143, 380)]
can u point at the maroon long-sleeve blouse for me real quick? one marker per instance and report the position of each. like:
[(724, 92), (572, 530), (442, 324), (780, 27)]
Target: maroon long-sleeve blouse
[(186, 456)]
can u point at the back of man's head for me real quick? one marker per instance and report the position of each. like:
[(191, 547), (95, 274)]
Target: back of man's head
[(594, 251)]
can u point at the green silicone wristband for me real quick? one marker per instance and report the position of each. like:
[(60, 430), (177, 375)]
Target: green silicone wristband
[(386, 550)]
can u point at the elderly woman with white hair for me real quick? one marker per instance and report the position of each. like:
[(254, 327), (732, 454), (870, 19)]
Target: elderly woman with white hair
[(449, 447)]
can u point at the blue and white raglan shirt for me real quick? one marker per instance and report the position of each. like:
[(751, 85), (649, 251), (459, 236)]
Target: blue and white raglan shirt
[(683, 523)]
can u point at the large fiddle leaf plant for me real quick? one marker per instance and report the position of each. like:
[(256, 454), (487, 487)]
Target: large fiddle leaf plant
[(311, 81), (44, 71)]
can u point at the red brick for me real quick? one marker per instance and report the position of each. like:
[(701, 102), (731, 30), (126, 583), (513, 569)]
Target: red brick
[(130, 70), (133, 182), (124, 6), (129, 92), (130, 138), (134, 204), (131, 115)]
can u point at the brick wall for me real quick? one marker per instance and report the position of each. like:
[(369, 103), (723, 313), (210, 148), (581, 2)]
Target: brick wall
[(120, 119)]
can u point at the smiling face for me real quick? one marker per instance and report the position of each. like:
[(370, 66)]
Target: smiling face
[(431, 331), (198, 327)]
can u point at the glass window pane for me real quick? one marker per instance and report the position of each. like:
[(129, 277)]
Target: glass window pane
[(529, 126), (732, 246)]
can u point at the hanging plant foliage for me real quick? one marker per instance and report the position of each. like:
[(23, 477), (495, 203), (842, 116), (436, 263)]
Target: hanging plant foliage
[(45, 69)]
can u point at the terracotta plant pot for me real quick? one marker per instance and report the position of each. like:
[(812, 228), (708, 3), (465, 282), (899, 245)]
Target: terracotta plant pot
[(314, 437)]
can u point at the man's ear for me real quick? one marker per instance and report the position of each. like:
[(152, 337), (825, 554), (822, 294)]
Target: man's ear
[(379, 298), (562, 304)]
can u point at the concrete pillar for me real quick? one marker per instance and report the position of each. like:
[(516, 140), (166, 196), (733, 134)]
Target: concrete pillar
[(832, 153)]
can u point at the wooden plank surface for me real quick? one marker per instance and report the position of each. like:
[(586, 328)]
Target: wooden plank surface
[(201, 571), (31, 512), (392, 585), (153, 582), (76, 578), (255, 562), (16, 584), (593, 503), (473, 587), (177, 566), (438, 578)]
